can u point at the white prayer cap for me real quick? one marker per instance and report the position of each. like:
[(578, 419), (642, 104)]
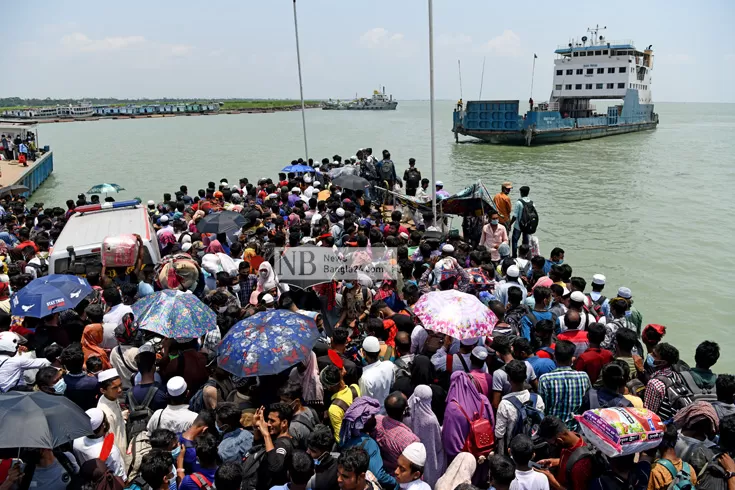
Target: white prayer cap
[(107, 374), (151, 203), (480, 352), (340, 212), (185, 247), (624, 292), (404, 235), (439, 183), (598, 279), (96, 417), (577, 297), (415, 453), (472, 341), (164, 218), (448, 248), (176, 386), (513, 271), (317, 183), (371, 344), (296, 190), (268, 299), (307, 178)]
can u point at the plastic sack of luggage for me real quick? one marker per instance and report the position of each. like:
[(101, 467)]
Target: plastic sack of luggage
[(621, 431), (178, 271), (119, 251)]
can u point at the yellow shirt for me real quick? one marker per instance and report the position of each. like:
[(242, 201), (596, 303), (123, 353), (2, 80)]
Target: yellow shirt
[(336, 414), (661, 477), (636, 401)]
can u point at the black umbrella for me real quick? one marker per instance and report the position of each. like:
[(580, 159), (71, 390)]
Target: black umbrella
[(352, 182), (13, 190), (37, 419), (221, 222)]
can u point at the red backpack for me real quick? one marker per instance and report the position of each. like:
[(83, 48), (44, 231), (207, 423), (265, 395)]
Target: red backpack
[(481, 438)]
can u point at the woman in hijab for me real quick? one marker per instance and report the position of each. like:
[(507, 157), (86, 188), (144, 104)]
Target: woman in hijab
[(91, 340), (459, 472), (267, 281), (424, 424), (166, 240), (463, 398), (423, 372), (306, 374)]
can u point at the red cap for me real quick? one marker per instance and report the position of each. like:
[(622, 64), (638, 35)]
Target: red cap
[(336, 359)]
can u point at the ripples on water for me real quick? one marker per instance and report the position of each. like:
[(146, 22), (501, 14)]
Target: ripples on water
[(652, 211)]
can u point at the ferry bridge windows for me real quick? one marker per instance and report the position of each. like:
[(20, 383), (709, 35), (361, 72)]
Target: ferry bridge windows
[(621, 85), (599, 86), (583, 53), (559, 72), (604, 51), (576, 53), (578, 86), (611, 70), (580, 71), (590, 71), (568, 86), (600, 71), (557, 87), (598, 53), (622, 69), (570, 72), (610, 85), (588, 86)]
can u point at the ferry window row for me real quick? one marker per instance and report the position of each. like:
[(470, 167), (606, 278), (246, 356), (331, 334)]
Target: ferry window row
[(591, 71), (639, 86), (598, 86), (593, 53)]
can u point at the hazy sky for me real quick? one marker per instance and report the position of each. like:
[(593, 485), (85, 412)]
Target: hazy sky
[(246, 48)]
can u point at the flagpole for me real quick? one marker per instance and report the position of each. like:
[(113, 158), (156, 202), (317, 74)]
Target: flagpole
[(533, 71), (482, 77), (431, 108), (301, 84)]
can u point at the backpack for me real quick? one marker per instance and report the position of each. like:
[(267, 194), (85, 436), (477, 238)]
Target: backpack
[(387, 171), (338, 241), (201, 481), (682, 479), (534, 321), (41, 269), (137, 483), (481, 437), (529, 417), (341, 403), (404, 368), (598, 462), (413, 177), (138, 447), (139, 414), (250, 467), (75, 480), (680, 392), (712, 476), (196, 404), (528, 222), (514, 316), (596, 306)]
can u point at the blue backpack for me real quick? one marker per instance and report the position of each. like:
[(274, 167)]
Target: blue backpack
[(681, 479), (529, 416)]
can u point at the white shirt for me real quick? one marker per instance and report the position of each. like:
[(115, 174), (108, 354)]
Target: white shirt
[(176, 418), (315, 219), (505, 418), (86, 448), (117, 425), (415, 485), (11, 370), (376, 381), (116, 359), (500, 379), (529, 480), (115, 315)]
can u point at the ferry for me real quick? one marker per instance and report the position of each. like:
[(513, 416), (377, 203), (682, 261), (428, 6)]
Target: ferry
[(84, 109), (584, 70), (378, 102)]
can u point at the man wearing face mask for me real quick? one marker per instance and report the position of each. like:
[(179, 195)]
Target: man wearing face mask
[(51, 380), (100, 445), (556, 258), (325, 465), (494, 235), (304, 418), (236, 441)]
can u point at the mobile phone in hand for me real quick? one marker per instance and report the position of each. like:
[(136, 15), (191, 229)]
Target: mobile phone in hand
[(534, 464)]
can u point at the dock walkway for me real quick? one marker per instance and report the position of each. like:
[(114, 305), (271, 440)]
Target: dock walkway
[(31, 176)]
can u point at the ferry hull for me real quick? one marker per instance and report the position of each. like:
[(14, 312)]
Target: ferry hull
[(521, 138)]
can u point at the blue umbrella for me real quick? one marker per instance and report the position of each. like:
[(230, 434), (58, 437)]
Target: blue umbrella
[(298, 169), (174, 314), (50, 294), (105, 189), (267, 343)]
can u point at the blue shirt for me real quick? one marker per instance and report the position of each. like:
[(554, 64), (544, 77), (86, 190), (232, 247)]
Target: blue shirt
[(518, 211), (235, 445), (376, 461), (188, 484), (541, 365), (526, 322)]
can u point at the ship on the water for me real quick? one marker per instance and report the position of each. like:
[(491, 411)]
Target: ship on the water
[(378, 102), (591, 69)]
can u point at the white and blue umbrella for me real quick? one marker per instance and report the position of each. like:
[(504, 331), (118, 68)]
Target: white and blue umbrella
[(50, 294), (105, 189)]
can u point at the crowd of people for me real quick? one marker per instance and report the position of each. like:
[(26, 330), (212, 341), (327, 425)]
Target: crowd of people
[(380, 401), (18, 148)]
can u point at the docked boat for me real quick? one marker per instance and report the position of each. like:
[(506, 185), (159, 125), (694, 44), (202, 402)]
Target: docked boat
[(378, 102), (594, 69)]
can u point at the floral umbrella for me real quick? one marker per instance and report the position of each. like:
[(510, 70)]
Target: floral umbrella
[(174, 314), (454, 313), (267, 343)]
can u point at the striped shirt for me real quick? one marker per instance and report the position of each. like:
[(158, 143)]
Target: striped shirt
[(563, 391), (656, 391)]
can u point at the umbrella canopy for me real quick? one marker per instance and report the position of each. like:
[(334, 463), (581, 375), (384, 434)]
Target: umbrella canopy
[(479, 278), (174, 314), (352, 182), (298, 168), (13, 190), (50, 294), (267, 343), (37, 419), (454, 313), (105, 189), (222, 222)]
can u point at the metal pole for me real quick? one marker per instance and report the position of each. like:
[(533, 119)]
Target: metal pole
[(431, 108), (301, 84), (459, 67), (482, 77), (533, 70)]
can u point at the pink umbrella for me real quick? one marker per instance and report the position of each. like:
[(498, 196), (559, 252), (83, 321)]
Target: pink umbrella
[(454, 313)]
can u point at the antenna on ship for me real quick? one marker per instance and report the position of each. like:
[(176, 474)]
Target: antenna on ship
[(594, 31), (301, 84), (459, 67), (482, 77), (431, 108)]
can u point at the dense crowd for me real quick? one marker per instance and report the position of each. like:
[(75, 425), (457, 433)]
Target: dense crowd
[(380, 401)]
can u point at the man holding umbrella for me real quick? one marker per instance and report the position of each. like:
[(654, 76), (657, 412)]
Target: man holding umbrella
[(111, 389), (12, 366)]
